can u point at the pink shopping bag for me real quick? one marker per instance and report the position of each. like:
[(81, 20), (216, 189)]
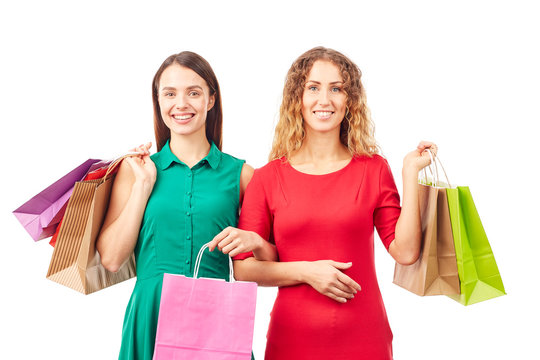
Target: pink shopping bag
[(205, 319)]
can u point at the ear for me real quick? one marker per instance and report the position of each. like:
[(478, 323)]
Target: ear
[(211, 102)]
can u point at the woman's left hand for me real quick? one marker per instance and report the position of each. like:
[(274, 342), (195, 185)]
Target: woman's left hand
[(419, 158)]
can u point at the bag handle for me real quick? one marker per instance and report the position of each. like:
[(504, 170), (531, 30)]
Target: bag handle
[(435, 174), (115, 163), (198, 263)]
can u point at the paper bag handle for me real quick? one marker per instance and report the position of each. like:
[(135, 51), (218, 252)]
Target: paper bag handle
[(198, 263), (113, 164), (435, 174)]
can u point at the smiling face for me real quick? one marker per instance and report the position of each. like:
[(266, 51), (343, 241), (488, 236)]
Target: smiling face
[(184, 100), (324, 102)]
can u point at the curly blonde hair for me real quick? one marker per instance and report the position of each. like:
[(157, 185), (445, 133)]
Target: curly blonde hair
[(357, 129)]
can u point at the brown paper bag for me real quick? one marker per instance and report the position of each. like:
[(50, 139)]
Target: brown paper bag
[(75, 261), (435, 272)]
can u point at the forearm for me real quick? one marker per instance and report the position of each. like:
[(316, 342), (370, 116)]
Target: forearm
[(269, 273), (406, 245), (117, 241)]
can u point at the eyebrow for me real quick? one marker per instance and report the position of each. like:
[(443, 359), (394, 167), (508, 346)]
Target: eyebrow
[(188, 88), (317, 82)]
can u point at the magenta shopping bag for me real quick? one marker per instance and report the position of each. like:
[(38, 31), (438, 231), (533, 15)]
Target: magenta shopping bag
[(205, 319), (41, 214)]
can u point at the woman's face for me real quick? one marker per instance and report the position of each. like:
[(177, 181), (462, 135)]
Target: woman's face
[(184, 100), (323, 102)]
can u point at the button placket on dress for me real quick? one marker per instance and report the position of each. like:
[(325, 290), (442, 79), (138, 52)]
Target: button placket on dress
[(189, 219)]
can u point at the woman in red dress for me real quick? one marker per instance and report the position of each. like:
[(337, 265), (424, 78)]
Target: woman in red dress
[(318, 201)]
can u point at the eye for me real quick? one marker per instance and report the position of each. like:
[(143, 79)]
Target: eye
[(168, 94), (193, 93), (312, 88), (336, 89)]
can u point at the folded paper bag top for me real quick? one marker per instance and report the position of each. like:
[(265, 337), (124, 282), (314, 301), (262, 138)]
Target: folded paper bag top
[(41, 214)]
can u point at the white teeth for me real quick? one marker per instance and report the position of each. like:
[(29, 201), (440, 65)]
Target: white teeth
[(323, 113), (183, 117)]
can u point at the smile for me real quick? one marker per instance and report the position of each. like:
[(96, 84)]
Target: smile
[(183, 117), (323, 114)]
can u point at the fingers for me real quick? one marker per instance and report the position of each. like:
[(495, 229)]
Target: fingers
[(349, 283), (424, 145), (233, 249), (143, 149), (337, 285), (218, 238), (341, 296), (340, 265)]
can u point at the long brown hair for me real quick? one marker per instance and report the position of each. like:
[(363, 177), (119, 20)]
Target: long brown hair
[(214, 118), (357, 129)]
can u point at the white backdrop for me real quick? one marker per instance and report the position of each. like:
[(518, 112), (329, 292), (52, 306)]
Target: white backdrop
[(75, 83)]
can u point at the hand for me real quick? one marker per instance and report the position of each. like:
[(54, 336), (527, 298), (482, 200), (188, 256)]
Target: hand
[(235, 241), (143, 167), (326, 277), (419, 158)]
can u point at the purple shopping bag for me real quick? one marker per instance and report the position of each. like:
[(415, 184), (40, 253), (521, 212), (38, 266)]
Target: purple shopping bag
[(205, 319), (41, 214)]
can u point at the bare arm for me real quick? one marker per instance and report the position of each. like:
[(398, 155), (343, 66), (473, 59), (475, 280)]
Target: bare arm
[(405, 248), (325, 276), (234, 241), (131, 190)]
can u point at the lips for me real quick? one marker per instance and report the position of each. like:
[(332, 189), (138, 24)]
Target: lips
[(182, 118)]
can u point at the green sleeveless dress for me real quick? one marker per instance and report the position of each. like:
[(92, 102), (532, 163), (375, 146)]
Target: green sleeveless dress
[(186, 209)]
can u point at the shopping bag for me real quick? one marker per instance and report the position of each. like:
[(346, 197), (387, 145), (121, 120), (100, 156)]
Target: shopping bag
[(75, 261), (41, 214), (478, 272), (435, 272), (94, 173), (205, 319)]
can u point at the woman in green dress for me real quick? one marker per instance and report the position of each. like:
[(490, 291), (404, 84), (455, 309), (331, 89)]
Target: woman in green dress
[(164, 207)]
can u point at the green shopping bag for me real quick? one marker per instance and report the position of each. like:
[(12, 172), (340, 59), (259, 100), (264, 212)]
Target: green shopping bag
[(478, 272)]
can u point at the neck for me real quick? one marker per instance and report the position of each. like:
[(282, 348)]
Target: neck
[(190, 149), (320, 147)]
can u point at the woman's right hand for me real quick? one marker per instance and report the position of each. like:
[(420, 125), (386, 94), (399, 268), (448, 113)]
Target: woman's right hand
[(327, 278), (143, 167)]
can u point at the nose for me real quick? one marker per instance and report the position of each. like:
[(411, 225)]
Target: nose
[(324, 98), (181, 102)]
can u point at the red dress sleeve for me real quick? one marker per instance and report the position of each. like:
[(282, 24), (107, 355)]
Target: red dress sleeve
[(388, 207), (255, 214)]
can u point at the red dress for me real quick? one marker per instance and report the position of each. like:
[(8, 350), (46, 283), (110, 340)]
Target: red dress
[(320, 217)]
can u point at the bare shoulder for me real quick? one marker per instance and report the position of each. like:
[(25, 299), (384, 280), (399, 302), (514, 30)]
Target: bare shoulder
[(246, 175)]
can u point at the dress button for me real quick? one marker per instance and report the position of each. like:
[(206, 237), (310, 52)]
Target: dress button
[(189, 174), (188, 213), (187, 262), (188, 193), (188, 237)]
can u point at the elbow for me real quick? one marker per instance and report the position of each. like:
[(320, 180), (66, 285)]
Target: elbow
[(110, 265), (404, 255), (408, 257), (107, 260)]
